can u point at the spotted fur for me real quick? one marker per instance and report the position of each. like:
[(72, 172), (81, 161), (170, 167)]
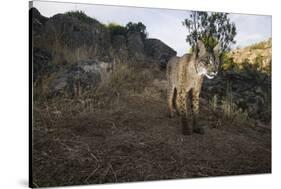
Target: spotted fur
[(185, 77)]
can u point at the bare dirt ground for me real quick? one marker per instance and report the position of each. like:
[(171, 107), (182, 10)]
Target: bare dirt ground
[(134, 140)]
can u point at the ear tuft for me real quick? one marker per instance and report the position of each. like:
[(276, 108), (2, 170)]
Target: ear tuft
[(201, 48)]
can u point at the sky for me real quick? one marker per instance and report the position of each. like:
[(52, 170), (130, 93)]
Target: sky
[(163, 24)]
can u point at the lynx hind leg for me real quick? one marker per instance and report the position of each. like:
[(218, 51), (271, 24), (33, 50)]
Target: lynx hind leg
[(170, 98), (184, 108), (197, 128)]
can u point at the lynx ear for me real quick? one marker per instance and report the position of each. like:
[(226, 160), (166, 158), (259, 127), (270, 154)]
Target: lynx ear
[(217, 48), (201, 50)]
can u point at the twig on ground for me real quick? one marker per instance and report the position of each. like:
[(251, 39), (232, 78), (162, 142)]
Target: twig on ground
[(94, 157), (92, 173)]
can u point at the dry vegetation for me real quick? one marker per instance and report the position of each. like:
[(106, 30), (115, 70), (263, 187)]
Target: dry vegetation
[(120, 132), (257, 55)]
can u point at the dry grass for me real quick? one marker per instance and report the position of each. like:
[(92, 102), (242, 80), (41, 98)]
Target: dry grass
[(226, 111), (63, 54), (120, 132)]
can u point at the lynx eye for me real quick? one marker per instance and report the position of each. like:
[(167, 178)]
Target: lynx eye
[(204, 62)]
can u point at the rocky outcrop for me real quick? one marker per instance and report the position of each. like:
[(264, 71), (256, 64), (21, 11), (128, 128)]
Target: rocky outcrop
[(120, 48), (36, 15), (41, 63), (84, 75), (74, 50), (38, 21), (158, 51), (75, 30), (250, 91), (136, 46), (72, 32), (38, 27)]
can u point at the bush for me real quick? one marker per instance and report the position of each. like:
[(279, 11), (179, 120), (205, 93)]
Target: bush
[(228, 63), (116, 29), (81, 16), (137, 27), (230, 109), (260, 45)]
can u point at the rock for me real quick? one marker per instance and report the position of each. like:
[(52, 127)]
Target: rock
[(119, 44), (249, 90), (70, 31), (43, 67), (36, 15), (41, 63), (64, 35), (38, 26), (84, 75), (158, 51), (63, 39), (136, 46)]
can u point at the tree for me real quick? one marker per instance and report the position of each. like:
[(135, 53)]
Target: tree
[(137, 27), (211, 28), (116, 29)]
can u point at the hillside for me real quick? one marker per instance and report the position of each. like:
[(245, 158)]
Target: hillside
[(258, 54), (63, 35), (72, 40), (121, 132), (100, 113)]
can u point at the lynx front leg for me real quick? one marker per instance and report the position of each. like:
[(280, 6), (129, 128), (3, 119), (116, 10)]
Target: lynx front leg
[(195, 112), (183, 105)]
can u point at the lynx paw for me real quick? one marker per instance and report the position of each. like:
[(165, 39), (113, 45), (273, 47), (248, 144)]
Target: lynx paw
[(171, 114)]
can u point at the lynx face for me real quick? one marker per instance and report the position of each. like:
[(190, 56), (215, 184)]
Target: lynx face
[(208, 62)]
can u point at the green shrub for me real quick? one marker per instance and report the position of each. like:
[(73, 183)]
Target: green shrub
[(81, 16), (228, 63), (116, 29), (137, 27)]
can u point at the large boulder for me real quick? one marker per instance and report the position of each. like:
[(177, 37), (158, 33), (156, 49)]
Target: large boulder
[(42, 63), (135, 46), (120, 48), (74, 32), (61, 40), (158, 51), (37, 22), (84, 75)]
